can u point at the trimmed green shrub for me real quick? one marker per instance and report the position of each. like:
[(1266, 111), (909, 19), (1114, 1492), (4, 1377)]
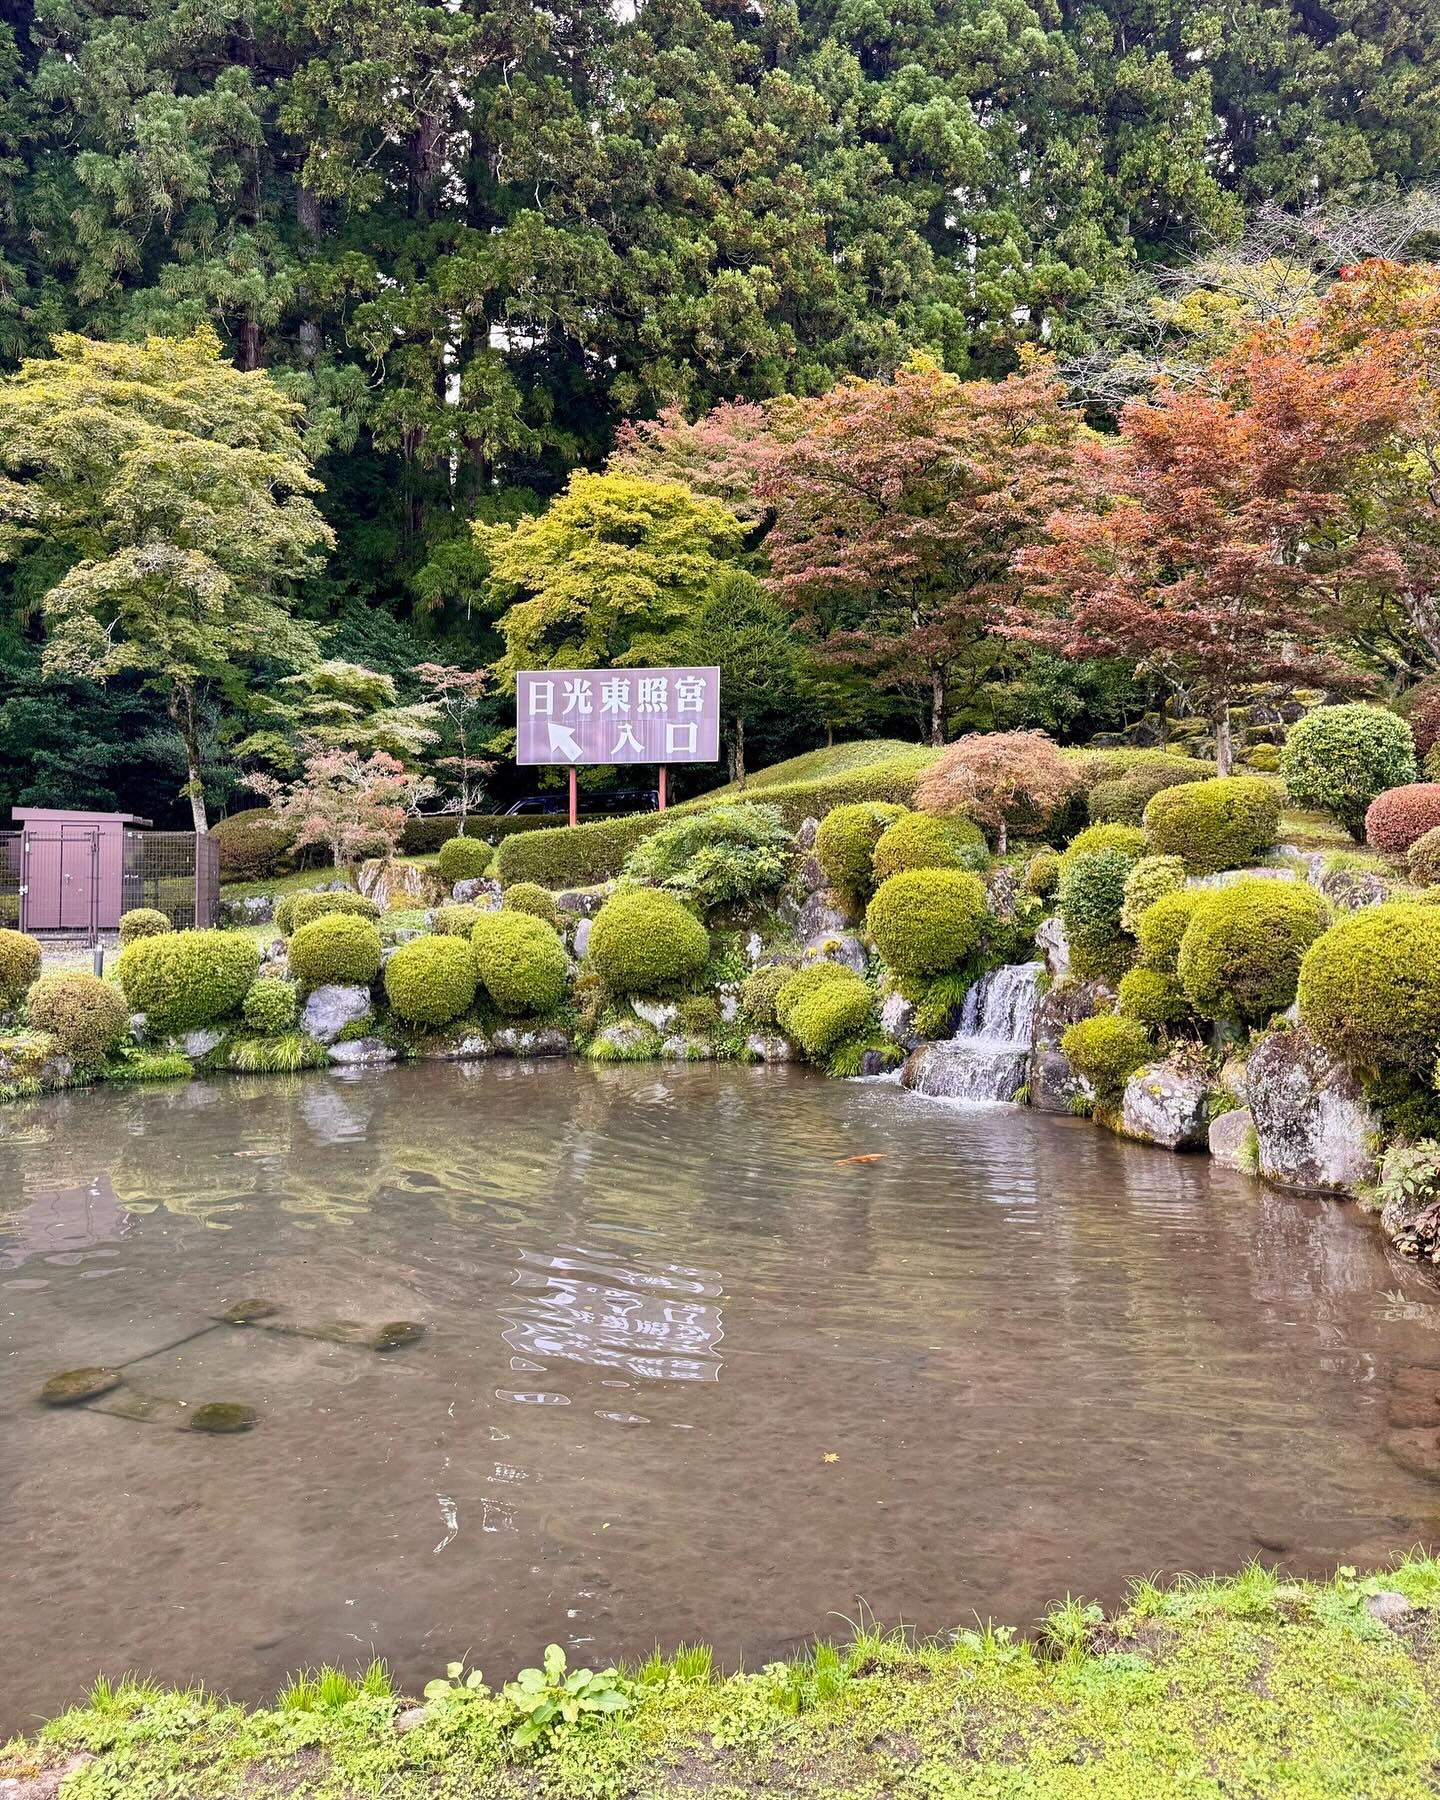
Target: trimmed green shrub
[(1122, 799), (296, 910), (1107, 1050), (462, 859), (845, 844), (1369, 987), (1338, 758), (820, 1015), (757, 996), (1102, 962), (1151, 999), (1095, 766), (1092, 895), (19, 965), (424, 833), (698, 1013), (1042, 874), (520, 961), (85, 1016), (253, 845), (455, 919), (431, 980), (1401, 815), (184, 979), (644, 941), (1423, 860), (530, 897), (1263, 758), (929, 841), (1150, 878), (1213, 825), (142, 921), (338, 947), (927, 920), (1123, 840), (1162, 926), (270, 1006), (1241, 952)]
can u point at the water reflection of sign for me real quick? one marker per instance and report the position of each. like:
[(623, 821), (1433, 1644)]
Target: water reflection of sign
[(656, 1323), (572, 716)]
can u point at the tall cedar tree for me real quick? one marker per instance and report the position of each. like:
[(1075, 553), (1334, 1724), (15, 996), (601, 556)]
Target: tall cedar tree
[(899, 507)]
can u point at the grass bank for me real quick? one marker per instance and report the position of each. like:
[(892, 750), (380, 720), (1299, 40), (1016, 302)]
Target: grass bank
[(1247, 1687)]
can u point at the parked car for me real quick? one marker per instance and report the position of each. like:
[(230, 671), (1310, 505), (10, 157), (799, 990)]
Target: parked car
[(609, 800)]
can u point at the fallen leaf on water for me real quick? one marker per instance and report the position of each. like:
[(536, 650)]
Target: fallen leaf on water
[(869, 1157), (830, 1456)]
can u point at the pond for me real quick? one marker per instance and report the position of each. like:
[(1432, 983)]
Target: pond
[(709, 1353)]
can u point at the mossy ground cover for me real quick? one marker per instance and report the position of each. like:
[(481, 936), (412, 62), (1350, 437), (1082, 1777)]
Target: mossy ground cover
[(1244, 1688)]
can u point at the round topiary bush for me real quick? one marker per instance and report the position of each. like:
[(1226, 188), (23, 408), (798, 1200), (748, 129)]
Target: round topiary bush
[(1241, 952), (253, 845), (1148, 880), (85, 1016), (845, 844), (338, 947), (928, 920), (1122, 800), (1423, 861), (530, 897), (296, 910), (924, 841), (1152, 999), (463, 859), (644, 941), (142, 921), (431, 980), (819, 1014), (1369, 987), (456, 918), (520, 960), (1092, 896), (19, 965), (1107, 1050), (184, 979), (758, 995), (1338, 758), (1162, 927), (270, 1006), (1042, 874), (1212, 825), (1123, 840), (1395, 819)]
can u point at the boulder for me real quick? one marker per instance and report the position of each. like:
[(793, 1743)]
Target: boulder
[(477, 890), (361, 1053), (329, 1009), (1312, 1120), (390, 882), (254, 909), (841, 947), (660, 1015), (679, 1048), (1232, 1140), (1164, 1104), (1003, 887), (822, 914), (873, 1063), (897, 1021), (531, 1040), (805, 837), (199, 1043), (580, 943), (585, 901), (729, 1005), (1234, 1074), (33, 1056), (1054, 1085), (770, 1048), (1054, 946)]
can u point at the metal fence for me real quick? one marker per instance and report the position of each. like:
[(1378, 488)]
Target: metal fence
[(175, 872), (12, 862)]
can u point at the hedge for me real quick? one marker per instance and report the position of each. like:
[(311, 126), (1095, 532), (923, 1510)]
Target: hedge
[(1214, 825), (19, 965), (1125, 840), (927, 921), (1162, 926), (1151, 999), (455, 919), (1423, 860), (1240, 955), (645, 941), (761, 989), (1148, 881), (1092, 897), (338, 947), (1042, 874), (1122, 799), (1369, 987), (253, 845), (426, 833), (184, 979), (1400, 816), (520, 961), (530, 897), (431, 981), (270, 1006), (85, 1016)]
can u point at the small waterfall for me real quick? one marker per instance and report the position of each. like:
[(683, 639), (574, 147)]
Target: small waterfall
[(987, 1057)]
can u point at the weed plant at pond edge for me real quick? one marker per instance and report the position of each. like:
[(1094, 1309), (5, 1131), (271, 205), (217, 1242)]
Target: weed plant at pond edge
[(1253, 1686)]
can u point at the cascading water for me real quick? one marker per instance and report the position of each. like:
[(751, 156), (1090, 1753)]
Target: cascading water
[(987, 1057)]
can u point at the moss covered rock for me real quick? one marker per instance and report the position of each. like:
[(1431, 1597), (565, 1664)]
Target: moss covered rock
[(1211, 825), (520, 961), (1240, 955), (432, 980), (646, 941), (1369, 987), (181, 980)]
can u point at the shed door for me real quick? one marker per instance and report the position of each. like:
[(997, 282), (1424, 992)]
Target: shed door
[(78, 874), (41, 864)]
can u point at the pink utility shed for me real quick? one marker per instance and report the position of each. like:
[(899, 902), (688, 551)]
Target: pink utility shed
[(72, 868)]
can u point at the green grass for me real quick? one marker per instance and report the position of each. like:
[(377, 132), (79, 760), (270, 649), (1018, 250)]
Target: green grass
[(1247, 1688), (817, 765)]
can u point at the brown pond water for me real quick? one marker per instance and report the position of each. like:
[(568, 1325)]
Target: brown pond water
[(687, 1371)]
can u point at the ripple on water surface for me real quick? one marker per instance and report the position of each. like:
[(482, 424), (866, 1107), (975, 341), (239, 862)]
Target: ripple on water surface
[(708, 1353)]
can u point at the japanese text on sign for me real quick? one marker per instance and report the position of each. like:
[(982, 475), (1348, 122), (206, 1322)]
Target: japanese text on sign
[(575, 716)]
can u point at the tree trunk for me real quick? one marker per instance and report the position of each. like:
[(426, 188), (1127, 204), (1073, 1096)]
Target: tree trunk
[(937, 708), (1002, 837), (740, 750), (182, 712), (1421, 611), (1224, 748)]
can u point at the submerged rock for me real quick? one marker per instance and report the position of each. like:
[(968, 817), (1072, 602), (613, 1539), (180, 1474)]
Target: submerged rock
[(249, 1311), (1313, 1123), (397, 1334), (1164, 1104), (769, 1047), (72, 1386), (1232, 1140), (222, 1417), (362, 1053), (531, 1040), (329, 1009), (1054, 1085)]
